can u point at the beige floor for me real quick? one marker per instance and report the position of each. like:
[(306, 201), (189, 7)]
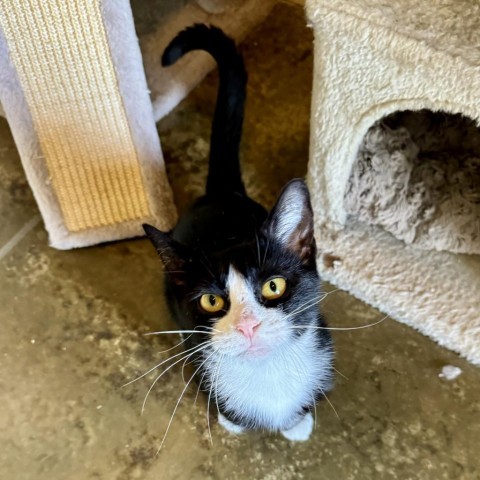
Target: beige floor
[(72, 327)]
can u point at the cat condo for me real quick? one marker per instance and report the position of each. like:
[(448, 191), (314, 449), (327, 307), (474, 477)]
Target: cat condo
[(395, 160)]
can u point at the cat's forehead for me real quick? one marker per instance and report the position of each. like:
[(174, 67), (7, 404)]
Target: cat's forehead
[(243, 259), (251, 261), (237, 282)]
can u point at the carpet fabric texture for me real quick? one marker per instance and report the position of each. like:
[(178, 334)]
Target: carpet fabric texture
[(434, 292), (373, 59), (417, 175)]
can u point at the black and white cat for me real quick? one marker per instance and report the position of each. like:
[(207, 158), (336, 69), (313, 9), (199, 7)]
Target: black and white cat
[(245, 280)]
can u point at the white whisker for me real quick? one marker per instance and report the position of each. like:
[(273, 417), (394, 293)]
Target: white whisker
[(202, 347), (258, 248), (208, 413), (266, 251), (216, 381), (178, 403), (183, 369), (329, 402), (176, 345), (333, 291), (341, 374), (206, 265), (311, 303), (186, 362), (306, 306), (210, 329), (199, 386), (161, 363), (314, 327)]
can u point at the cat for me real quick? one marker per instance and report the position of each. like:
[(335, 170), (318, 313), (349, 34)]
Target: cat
[(243, 282)]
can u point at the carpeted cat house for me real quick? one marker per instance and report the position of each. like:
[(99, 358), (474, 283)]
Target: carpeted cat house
[(82, 107), (394, 168)]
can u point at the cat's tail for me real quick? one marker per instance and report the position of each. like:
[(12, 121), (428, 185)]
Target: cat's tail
[(224, 165)]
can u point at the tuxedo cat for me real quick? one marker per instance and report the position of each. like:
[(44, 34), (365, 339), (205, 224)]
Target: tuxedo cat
[(243, 282)]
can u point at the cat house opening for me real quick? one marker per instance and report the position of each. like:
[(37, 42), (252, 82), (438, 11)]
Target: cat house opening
[(417, 175)]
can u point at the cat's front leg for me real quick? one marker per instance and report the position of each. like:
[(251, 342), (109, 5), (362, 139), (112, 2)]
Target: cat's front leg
[(301, 431), (230, 426)]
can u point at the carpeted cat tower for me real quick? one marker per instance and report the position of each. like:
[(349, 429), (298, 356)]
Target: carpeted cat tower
[(398, 210), (82, 109)]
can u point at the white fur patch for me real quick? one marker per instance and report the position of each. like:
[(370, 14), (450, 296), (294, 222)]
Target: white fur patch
[(271, 384), (449, 372), (229, 426), (301, 431), (290, 215)]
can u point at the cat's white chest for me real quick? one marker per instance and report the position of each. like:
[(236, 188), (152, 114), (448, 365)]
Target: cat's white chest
[(273, 390)]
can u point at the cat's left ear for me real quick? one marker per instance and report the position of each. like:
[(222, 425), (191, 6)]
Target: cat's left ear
[(290, 221), (173, 254)]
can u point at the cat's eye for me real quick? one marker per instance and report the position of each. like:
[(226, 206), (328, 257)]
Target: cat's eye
[(274, 288), (212, 303)]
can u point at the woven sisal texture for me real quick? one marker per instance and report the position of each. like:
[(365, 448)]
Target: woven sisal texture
[(60, 51)]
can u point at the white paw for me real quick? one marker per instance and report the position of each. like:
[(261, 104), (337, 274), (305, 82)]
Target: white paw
[(301, 431), (230, 426)]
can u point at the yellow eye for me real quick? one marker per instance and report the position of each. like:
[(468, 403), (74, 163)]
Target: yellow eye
[(211, 303), (274, 288)]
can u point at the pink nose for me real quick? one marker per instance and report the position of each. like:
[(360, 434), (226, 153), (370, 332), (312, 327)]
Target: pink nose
[(247, 326)]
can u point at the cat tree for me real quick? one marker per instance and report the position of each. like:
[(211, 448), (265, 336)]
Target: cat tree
[(373, 58), (74, 91)]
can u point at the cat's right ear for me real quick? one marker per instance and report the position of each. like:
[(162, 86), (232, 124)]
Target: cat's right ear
[(290, 221), (173, 254)]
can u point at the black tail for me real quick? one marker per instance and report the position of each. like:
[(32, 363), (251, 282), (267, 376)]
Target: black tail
[(224, 166)]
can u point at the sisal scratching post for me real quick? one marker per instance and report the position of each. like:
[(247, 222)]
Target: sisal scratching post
[(373, 59), (73, 90)]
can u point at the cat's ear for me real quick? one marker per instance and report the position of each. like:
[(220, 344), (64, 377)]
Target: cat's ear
[(290, 221), (173, 254)]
